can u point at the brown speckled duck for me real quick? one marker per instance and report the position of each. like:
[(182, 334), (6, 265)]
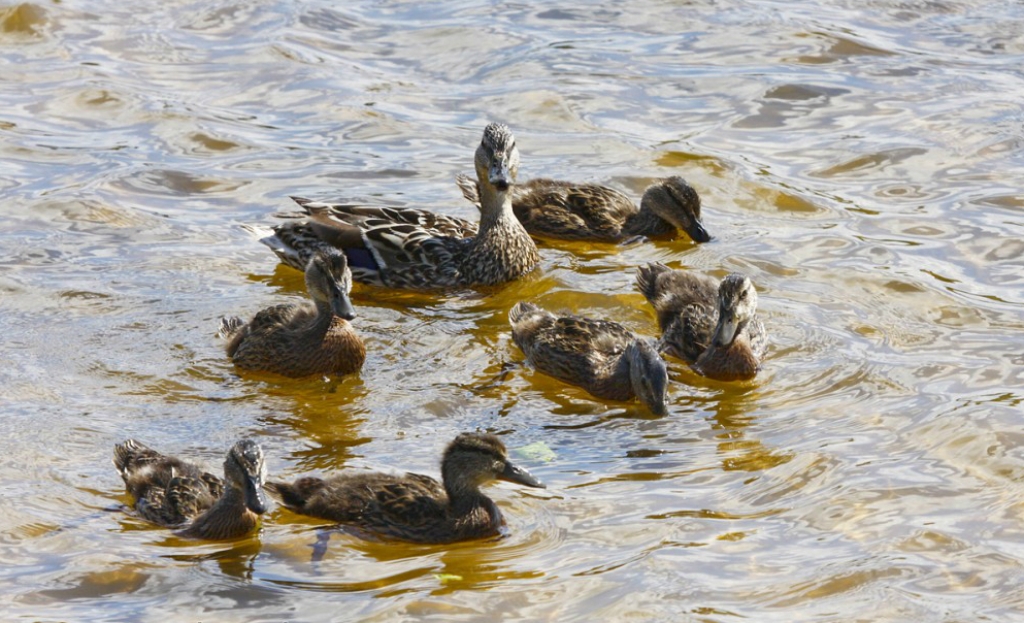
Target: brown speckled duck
[(416, 249), (555, 209), (175, 493), (603, 357), (299, 340), (414, 507), (713, 326)]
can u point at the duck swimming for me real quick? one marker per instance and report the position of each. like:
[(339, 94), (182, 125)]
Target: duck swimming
[(712, 325), (414, 507), (603, 357), (568, 211), (416, 249), (175, 493), (297, 340)]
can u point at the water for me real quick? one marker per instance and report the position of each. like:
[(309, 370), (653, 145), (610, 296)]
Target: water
[(859, 161)]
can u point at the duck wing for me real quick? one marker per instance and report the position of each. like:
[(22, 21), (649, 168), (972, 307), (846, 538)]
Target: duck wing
[(571, 211), (576, 349), (393, 246), (408, 507), (758, 337), (439, 224), (155, 479), (368, 499), (562, 209), (245, 336), (283, 314), (671, 292), (688, 333), (188, 497)]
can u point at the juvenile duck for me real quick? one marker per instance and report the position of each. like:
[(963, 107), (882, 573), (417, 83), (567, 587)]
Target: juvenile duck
[(603, 357), (175, 493), (414, 507), (298, 340), (416, 249), (713, 326), (570, 211)]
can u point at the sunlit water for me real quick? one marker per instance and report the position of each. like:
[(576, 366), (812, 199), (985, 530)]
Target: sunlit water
[(860, 161)]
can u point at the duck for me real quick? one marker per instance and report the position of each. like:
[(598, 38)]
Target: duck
[(174, 493), (601, 356), (712, 325), (408, 248), (414, 507), (302, 339), (568, 211)]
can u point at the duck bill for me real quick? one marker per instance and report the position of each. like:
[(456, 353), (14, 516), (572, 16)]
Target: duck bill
[(658, 407), (499, 176), (341, 305), (255, 500), (697, 232), (726, 331), (514, 473)]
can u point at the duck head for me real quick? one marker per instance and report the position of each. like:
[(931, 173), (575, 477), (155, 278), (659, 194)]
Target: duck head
[(675, 201), (648, 375), (474, 459), (737, 304), (245, 470), (497, 159), (329, 281)]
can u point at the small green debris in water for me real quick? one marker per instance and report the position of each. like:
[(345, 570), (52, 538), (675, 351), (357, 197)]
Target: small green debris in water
[(537, 451)]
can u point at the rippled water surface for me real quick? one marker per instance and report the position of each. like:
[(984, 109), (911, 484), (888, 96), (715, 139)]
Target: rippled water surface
[(860, 161)]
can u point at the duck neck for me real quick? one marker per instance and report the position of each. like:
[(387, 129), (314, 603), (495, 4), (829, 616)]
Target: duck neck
[(501, 250), (228, 518), (645, 222), (633, 364), (324, 317), (496, 209), (463, 494), (472, 512)]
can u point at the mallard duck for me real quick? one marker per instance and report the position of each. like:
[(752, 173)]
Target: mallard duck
[(415, 249), (603, 357), (414, 507), (298, 340), (175, 493), (570, 211), (713, 326)]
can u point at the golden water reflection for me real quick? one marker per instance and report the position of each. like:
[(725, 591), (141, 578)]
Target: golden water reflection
[(861, 167)]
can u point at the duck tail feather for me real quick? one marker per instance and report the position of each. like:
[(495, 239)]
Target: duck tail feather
[(647, 279), (229, 325), (469, 187), (520, 310), (294, 495), (125, 452)]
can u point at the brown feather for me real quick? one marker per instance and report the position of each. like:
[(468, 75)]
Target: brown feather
[(689, 307), (411, 507)]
